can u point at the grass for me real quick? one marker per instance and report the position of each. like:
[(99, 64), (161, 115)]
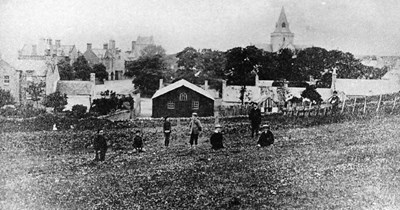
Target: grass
[(352, 165)]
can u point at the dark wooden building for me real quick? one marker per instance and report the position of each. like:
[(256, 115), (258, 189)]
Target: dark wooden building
[(181, 99)]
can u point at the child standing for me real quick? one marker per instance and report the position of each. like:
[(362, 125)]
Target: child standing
[(100, 145), (167, 131), (138, 142)]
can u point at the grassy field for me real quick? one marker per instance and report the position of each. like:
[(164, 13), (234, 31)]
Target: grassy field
[(353, 165)]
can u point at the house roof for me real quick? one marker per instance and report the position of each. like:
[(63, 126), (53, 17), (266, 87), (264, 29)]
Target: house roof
[(75, 87), (124, 87), (145, 40), (179, 84), (4, 66), (100, 53)]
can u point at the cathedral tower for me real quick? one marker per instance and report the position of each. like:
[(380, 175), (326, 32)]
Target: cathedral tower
[(282, 37)]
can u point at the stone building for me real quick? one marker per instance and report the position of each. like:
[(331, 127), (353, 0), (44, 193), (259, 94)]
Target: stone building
[(138, 45), (9, 79), (45, 47), (110, 56)]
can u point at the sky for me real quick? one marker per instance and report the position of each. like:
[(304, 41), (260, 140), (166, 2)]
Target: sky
[(362, 27)]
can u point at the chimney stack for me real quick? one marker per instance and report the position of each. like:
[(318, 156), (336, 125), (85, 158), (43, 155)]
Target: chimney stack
[(112, 44), (89, 46), (133, 45), (34, 49), (205, 84), (105, 46), (58, 43), (93, 78), (161, 84)]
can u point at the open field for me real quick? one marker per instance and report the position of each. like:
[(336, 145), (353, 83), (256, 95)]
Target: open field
[(353, 165)]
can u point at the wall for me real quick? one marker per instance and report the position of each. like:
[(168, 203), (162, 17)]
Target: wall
[(182, 108)]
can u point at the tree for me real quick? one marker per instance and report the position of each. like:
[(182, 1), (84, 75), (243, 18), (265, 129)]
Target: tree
[(81, 68), (56, 100), (79, 111), (312, 62), (36, 89), (242, 65), (6, 98), (65, 70), (187, 64), (146, 72), (100, 71), (311, 93), (152, 50)]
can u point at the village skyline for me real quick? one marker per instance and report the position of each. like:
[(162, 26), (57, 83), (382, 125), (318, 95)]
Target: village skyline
[(359, 27)]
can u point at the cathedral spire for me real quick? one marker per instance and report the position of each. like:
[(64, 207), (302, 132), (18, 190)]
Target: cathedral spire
[(282, 25)]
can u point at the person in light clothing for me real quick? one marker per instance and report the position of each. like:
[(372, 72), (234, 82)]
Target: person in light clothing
[(195, 128)]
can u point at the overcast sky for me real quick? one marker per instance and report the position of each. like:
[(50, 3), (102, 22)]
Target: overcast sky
[(358, 26)]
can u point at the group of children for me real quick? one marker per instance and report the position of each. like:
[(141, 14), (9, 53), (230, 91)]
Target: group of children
[(216, 140)]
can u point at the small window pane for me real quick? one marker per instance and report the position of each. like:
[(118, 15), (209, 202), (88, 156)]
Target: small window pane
[(183, 97), (170, 105), (195, 105), (6, 80)]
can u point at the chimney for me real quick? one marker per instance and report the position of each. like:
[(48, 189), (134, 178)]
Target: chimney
[(133, 45), (112, 44), (205, 84), (34, 49), (105, 46), (89, 46), (50, 42), (93, 78), (161, 84), (257, 80), (58, 43)]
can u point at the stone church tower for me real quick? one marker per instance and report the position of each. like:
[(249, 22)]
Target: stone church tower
[(282, 37)]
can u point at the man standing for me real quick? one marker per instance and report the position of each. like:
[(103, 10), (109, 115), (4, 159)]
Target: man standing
[(100, 145), (255, 119), (194, 129), (167, 131)]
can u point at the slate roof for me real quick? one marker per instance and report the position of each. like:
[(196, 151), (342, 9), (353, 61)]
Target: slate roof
[(145, 40), (75, 87), (179, 84), (124, 87), (4, 66), (362, 87)]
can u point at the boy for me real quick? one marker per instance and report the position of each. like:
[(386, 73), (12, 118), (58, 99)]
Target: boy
[(100, 145), (194, 129), (138, 142), (167, 131), (266, 137), (216, 139)]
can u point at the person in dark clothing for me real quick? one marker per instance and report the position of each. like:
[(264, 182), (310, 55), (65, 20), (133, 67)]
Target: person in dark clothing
[(138, 142), (334, 100), (266, 137), (100, 146), (216, 139), (167, 131), (255, 119)]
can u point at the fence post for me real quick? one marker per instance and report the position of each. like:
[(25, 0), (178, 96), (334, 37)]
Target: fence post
[(379, 103), (365, 104), (394, 103), (354, 105), (344, 103)]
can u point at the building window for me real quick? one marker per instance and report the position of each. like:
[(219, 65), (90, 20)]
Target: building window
[(183, 97), (170, 105), (195, 105), (283, 25), (6, 80)]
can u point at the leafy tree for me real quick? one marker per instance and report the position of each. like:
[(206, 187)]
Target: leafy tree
[(65, 70), (79, 111), (36, 89), (56, 100), (268, 67), (81, 68), (312, 62), (146, 72), (100, 71), (152, 50), (187, 65), (6, 98), (311, 93), (241, 66)]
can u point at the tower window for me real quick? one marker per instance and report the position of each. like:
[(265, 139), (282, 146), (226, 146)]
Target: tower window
[(284, 39), (183, 97), (283, 25)]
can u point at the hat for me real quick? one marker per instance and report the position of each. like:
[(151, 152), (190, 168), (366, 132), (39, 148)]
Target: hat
[(218, 126), (194, 114), (265, 126)]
